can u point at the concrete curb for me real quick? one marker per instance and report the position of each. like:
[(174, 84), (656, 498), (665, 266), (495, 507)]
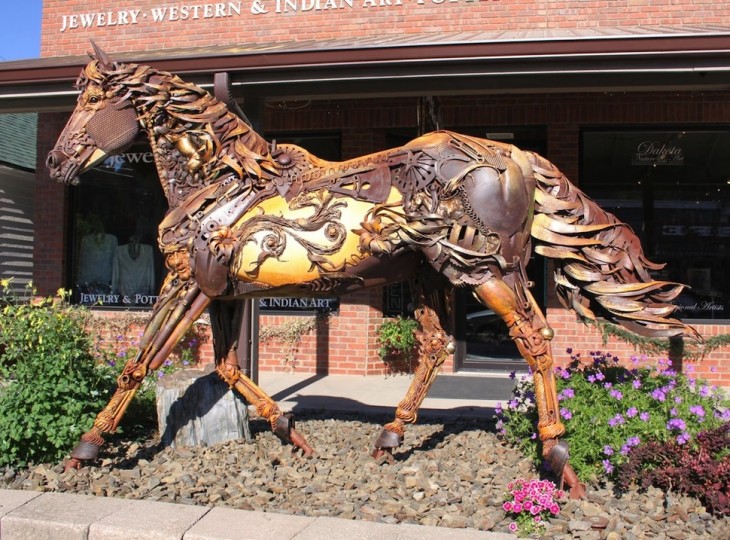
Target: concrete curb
[(29, 515)]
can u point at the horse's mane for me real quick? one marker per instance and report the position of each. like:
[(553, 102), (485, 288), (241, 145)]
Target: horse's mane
[(241, 148)]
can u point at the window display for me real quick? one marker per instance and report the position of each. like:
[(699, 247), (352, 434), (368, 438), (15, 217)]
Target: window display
[(117, 207), (673, 187)]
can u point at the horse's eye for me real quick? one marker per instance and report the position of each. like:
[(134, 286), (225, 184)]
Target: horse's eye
[(94, 100)]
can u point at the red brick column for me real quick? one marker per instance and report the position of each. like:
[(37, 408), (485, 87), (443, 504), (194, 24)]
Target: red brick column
[(51, 212)]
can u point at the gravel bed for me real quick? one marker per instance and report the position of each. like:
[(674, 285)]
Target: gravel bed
[(450, 473)]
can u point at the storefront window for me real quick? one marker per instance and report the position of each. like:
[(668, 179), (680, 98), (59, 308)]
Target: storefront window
[(17, 181), (673, 187), (116, 208)]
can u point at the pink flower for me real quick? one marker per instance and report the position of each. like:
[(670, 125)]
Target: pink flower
[(513, 526), (507, 507), (517, 508)]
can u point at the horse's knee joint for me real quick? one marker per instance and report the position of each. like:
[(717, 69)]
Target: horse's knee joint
[(553, 430), (228, 373)]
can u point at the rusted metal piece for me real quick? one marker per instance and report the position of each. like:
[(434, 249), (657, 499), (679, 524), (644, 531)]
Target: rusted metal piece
[(248, 218)]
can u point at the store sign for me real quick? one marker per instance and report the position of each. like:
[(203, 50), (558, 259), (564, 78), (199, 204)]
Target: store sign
[(657, 153), (219, 10), (113, 299), (299, 305)]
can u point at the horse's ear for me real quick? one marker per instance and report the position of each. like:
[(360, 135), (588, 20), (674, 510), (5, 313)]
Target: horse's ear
[(101, 56)]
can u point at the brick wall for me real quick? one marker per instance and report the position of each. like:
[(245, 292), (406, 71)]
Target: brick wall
[(116, 28)]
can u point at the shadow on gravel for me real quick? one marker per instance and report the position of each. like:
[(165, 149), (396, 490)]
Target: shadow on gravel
[(445, 424)]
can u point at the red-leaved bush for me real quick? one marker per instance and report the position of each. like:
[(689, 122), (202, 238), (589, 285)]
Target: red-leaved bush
[(701, 469)]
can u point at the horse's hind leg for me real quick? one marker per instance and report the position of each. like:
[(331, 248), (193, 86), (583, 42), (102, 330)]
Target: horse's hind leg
[(531, 333), (173, 316), (225, 323), (434, 345)]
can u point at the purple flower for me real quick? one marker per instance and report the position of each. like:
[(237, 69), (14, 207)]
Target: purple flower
[(633, 441), (697, 410), (631, 412), (513, 404), (607, 466), (659, 394), (673, 411), (625, 450), (676, 424), (498, 408), (608, 450), (713, 369), (567, 393), (512, 375), (704, 390), (616, 394), (569, 350), (636, 383), (608, 385), (644, 416), (533, 436), (600, 376), (121, 354), (683, 438), (677, 399), (566, 414), (591, 378), (616, 421)]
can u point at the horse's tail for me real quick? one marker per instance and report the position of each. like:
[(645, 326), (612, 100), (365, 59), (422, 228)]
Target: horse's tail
[(601, 270)]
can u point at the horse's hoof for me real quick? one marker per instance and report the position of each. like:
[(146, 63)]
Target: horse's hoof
[(299, 442), (73, 463), (577, 490), (383, 455)]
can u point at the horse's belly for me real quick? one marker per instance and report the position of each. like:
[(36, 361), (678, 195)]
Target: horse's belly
[(281, 246)]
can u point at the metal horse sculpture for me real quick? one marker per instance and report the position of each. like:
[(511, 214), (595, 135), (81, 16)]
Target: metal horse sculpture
[(250, 218)]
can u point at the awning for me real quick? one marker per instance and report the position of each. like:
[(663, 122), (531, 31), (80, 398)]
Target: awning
[(590, 60)]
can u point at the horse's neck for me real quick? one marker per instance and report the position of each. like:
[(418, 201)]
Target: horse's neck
[(188, 160)]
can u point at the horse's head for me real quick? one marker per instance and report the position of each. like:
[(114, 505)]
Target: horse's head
[(103, 123)]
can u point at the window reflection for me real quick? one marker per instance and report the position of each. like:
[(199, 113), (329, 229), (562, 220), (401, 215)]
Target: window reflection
[(672, 186)]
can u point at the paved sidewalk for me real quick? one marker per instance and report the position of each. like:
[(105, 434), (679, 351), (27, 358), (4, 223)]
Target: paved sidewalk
[(28, 515), (378, 394)]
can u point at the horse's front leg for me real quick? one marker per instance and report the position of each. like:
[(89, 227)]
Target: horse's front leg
[(172, 317), (225, 318), (434, 347)]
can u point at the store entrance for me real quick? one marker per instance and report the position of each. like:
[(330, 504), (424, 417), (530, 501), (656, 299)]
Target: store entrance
[(483, 342)]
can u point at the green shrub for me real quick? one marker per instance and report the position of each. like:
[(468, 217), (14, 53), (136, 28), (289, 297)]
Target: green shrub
[(397, 337), (51, 385), (609, 409)]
